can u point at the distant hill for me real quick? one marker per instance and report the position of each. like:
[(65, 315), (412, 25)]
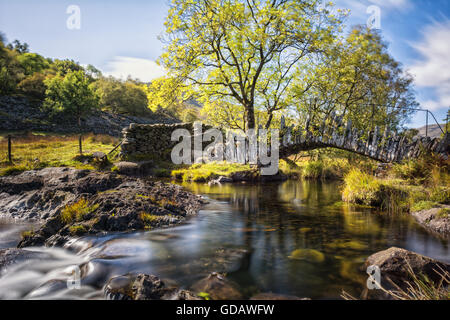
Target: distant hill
[(433, 130)]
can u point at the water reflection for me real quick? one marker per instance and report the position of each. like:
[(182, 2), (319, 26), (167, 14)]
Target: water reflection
[(305, 242), (289, 238)]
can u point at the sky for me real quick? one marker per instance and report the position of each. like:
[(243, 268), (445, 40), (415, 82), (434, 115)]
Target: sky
[(121, 37)]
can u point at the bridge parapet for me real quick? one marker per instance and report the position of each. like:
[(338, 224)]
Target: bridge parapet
[(154, 141)]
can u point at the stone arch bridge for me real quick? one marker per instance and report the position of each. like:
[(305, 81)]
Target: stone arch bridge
[(154, 141)]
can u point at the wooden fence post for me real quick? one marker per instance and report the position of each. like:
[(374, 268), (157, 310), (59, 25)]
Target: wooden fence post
[(9, 149), (80, 144)]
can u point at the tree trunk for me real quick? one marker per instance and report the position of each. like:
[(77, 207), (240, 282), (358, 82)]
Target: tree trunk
[(249, 117)]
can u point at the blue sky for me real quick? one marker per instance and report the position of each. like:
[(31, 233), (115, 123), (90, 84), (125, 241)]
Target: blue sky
[(121, 37)]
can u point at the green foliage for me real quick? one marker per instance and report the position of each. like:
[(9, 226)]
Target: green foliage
[(70, 95), (124, 97), (357, 79), (33, 86), (32, 63), (245, 53), (77, 212)]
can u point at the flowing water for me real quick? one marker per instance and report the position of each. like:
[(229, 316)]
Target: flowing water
[(293, 238)]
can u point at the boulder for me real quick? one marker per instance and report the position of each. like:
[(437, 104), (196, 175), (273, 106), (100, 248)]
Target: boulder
[(397, 264), (144, 287)]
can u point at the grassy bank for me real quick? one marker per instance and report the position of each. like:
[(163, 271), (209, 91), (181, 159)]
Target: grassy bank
[(209, 171), (410, 186), (37, 151)]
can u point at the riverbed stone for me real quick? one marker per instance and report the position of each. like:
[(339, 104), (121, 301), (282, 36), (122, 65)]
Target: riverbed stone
[(144, 287), (217, 287)]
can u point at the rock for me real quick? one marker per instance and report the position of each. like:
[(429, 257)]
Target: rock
[(100, 156), (217, 287), (396, 263), (134, 168), (144, 287), (113, 203), (435, 219), (274, 296), (220, 180)]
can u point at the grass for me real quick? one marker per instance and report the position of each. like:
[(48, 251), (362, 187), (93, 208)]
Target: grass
[(206, 172), (149, 219), (419, 288), (361, 188), (423, 205), (34, 151), (443, 213), (76, 212), (323, 169), (413, 185), (78, 230)]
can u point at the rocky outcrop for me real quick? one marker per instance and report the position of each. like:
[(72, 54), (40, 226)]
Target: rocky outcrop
[(435, 219), (72, 202), (397, 265), (18, 113), (144, 287)]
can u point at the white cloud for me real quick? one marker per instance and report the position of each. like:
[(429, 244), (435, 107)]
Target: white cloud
[(358, 8), (433, 69), (142, 69), (398, 4)]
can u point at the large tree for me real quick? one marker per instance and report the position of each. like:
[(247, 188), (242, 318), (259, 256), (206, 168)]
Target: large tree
[(70, 95), (245, 52), (359, 80)]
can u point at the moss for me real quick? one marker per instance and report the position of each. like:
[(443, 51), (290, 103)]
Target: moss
[(77, 212), (351, 245), (27, 234), (204, 295), (308, 255)]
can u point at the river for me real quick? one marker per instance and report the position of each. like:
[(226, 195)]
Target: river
[(293, 238)]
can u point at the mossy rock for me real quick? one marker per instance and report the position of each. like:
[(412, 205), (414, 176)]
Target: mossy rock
[(310, 255)]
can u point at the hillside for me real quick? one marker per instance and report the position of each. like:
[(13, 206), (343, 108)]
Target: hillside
[(19, 114)]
